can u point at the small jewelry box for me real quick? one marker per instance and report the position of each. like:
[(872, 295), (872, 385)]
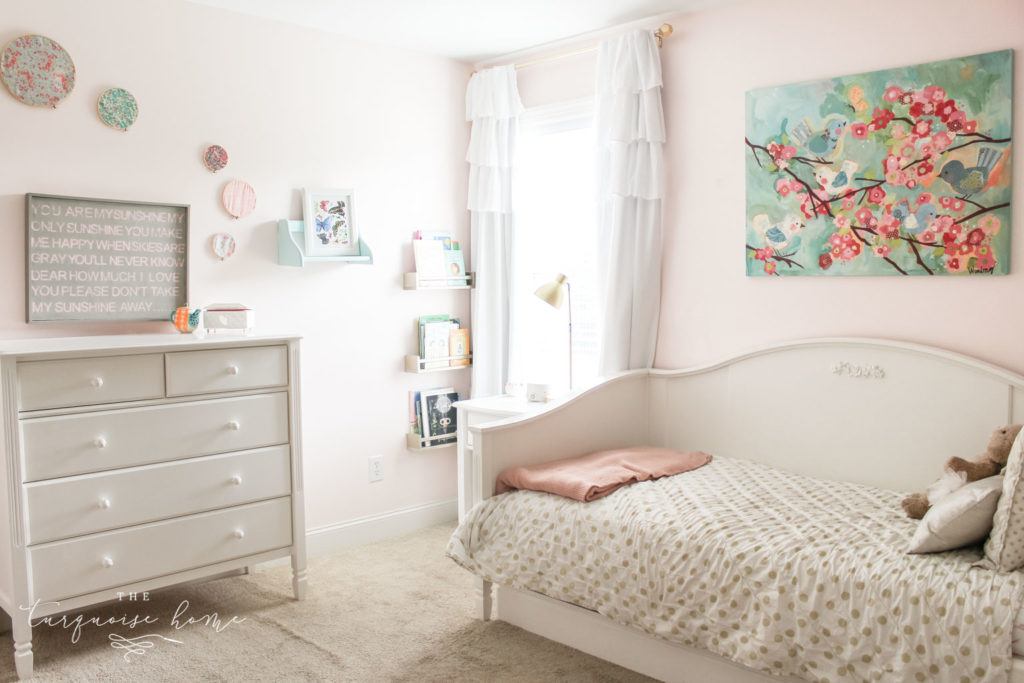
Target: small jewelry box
[(228, 318)]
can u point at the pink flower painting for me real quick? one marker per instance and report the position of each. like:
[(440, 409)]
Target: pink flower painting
[(905, 171)]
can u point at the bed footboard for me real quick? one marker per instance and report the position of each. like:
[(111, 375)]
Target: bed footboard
[(612, 414)]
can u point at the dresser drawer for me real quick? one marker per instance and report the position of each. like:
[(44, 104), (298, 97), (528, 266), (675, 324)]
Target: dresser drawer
[(204, 372), (116, 558), (89, 381), (73, 506), (105, 440)]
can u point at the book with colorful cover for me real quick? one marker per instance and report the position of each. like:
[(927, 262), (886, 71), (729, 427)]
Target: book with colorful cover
[(421, 324), (458, 345), (443, 236), (438, 414), (414, 412), (455, 265)]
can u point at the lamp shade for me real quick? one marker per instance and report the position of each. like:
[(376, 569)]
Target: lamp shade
[(553, 293)]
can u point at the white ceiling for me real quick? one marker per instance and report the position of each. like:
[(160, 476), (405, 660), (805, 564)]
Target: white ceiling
[(467, 30)]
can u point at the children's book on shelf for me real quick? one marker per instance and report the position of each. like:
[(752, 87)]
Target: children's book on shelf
[(455, 263), (438, 415), (437, 257), (443, 236), (458, 347), (435, 340), (414, 412), (421, 327), (430, 262)]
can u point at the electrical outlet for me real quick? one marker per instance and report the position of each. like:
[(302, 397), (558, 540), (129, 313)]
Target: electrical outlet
[(376, 467)]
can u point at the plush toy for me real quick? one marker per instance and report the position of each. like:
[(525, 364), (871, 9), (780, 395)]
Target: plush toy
[(959, 471)]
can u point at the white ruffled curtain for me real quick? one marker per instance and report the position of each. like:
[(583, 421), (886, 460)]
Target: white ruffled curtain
[(493, 107), (630, 134)]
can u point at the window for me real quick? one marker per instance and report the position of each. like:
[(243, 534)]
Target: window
[(555, 232)]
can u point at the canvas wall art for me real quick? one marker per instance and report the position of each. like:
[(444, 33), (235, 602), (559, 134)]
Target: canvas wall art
[(898, 172)]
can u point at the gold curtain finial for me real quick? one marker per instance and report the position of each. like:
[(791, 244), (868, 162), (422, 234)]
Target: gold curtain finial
[(664, 31)]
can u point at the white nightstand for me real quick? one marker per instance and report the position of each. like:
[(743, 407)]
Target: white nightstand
[(474, 412)]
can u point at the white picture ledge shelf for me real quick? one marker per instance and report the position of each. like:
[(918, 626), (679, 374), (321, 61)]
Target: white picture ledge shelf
[(414, 363), (415, 281), (291, 247), (414, 442)]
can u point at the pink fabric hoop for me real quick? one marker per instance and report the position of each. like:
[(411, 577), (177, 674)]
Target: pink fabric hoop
[(238, 198)]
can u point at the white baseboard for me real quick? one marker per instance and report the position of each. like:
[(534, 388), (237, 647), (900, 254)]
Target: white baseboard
[(325, 539)]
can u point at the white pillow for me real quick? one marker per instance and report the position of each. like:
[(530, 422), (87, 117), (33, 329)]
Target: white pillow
[(1004, 549), (961, 518)]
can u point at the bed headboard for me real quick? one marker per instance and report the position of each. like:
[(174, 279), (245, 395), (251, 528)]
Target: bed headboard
[(872, 411), (876, 412)]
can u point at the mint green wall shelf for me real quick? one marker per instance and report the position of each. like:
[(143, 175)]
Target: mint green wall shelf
[(291, 247)]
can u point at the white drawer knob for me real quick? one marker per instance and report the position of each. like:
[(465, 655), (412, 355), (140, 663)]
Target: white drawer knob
[(238, 533), (232, 369), (235, 425), (100, 442), (104, 503), (107, 563), (96, 382), (236, 480)]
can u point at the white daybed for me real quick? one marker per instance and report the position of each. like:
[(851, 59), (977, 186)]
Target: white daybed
[(866, 413)]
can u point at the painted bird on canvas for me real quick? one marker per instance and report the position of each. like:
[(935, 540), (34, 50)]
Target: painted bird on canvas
[(777, 236), (821, 144), (833, 181), (967, 181), (914, 222)]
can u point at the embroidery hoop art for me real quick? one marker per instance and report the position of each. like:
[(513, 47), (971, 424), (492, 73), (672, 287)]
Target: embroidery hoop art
[(223, 245), (215, 158), (117, 108), (238, 198), (37, 71)]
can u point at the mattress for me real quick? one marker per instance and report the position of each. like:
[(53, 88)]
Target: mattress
[(786, 574)]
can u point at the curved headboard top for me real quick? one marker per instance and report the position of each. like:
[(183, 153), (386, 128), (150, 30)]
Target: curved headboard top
[(873, 411), (841, 343)]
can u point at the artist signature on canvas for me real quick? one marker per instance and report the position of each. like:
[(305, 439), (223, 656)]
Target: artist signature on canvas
[(134, 645)]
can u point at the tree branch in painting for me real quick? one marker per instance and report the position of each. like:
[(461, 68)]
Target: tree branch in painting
[(768, 253)]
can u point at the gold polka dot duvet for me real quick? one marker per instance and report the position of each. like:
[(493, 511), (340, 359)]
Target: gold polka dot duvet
[(782, 573)]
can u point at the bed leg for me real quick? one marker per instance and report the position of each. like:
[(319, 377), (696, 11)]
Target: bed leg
[(483, 599)]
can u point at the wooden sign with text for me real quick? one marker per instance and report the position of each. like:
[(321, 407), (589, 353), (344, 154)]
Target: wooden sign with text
[(104, 259)]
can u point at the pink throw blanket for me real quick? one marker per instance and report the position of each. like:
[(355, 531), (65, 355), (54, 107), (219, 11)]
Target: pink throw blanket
[(596, 475)]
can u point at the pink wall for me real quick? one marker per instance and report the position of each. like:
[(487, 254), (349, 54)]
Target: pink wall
[(710, 308), (294, 108)]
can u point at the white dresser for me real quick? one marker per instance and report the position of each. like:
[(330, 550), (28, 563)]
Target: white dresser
[(135, 462)]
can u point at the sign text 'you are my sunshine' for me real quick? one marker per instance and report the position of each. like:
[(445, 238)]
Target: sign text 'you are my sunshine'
[(97, 259)]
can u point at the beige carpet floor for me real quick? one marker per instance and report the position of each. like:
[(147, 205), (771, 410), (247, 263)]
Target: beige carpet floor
[(395, 610)]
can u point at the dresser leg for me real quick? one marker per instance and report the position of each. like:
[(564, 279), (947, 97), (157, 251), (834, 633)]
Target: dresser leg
[(22, 632), (299, 577), (484, 598)]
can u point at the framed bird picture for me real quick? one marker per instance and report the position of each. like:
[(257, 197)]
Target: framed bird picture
[(898, 172), (328, 225)]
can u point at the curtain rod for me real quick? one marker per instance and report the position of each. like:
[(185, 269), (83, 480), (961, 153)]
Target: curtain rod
[(663, 31)]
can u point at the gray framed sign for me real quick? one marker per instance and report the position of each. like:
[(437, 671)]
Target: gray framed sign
[(104, 259)]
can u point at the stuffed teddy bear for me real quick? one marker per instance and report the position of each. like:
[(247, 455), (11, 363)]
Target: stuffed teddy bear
[(959, 471)]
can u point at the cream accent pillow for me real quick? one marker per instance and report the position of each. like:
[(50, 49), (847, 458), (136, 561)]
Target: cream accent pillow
[(1004, 549), (961, 518)]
